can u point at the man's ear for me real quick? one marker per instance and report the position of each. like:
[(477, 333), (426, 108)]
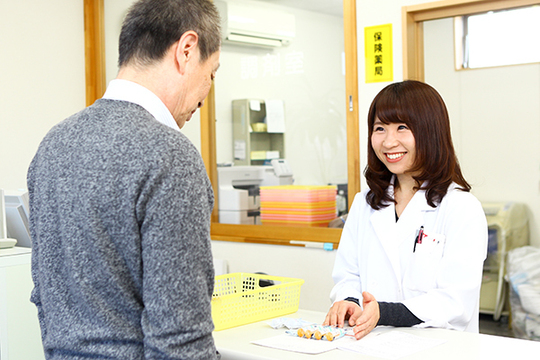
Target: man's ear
[(186, 49)]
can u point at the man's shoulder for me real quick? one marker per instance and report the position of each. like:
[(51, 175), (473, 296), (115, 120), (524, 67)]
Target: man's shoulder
[(99, 110), (120, 118), (120, 126)]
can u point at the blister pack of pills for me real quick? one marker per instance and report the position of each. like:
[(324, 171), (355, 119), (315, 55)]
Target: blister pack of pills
[(318, 332)]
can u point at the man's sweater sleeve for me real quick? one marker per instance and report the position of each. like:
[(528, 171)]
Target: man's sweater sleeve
[(393, 314), (177, 263)]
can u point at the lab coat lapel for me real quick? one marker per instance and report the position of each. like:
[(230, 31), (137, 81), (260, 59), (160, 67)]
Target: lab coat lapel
[(384, 223), (413, 217), (392, 234)]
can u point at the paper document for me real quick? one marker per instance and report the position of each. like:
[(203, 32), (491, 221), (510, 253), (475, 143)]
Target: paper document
[(275, 116), (391, 345), (297, 344), (239, 150), (255, 105)]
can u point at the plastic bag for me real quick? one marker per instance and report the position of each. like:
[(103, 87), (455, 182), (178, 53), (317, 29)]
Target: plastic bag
[(523, 273)]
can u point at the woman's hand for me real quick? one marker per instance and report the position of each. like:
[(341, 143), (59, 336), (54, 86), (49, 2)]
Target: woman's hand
[(341, 311), (368, 318)]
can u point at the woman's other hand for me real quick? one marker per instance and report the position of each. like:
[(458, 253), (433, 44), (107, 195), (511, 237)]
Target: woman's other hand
[(341, 311), (368, 318)]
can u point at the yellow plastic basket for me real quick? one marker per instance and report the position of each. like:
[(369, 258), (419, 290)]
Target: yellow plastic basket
[(239, 299)]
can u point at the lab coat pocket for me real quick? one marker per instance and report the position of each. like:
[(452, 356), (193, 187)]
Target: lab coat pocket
[(423, 270)]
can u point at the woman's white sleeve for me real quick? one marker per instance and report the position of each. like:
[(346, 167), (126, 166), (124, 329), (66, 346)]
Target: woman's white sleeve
[(455, 300), (346, 272)]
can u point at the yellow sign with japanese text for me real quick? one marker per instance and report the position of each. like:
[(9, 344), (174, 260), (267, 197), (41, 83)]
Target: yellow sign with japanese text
[(378, 52)]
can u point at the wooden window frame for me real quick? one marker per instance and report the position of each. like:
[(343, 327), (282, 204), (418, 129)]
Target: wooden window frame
[(413, 18), (280, 235), (94, 50)]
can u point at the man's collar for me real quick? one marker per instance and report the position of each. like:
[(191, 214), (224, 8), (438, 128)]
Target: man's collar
[(125, 90)]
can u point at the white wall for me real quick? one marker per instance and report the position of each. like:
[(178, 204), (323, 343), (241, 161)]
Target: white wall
[(495, 116), (42, 77)]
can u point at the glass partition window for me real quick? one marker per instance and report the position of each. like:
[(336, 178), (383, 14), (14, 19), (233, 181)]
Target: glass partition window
[(281, 121)]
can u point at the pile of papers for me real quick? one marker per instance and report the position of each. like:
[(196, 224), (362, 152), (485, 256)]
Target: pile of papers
[(297, 205)]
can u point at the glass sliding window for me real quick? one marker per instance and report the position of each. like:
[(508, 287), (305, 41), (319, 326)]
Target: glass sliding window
[(281, 114), (499, 38)]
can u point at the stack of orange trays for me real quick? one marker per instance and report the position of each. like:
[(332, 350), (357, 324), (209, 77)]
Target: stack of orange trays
[(296, 205)]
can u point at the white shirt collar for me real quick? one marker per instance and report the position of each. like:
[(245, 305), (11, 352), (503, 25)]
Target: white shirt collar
[(126, 90)]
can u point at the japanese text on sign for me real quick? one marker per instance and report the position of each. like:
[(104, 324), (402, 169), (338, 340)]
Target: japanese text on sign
[(378, 53)]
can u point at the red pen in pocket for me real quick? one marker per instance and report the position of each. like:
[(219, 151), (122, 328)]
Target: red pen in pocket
[(418, 238)]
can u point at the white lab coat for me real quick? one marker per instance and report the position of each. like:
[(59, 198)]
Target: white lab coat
[(440, 281)]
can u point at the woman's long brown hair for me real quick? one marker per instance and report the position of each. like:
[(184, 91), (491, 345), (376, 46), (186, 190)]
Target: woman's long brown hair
[(422, 109)]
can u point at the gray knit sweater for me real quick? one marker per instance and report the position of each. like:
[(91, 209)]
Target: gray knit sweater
[(119, 212)]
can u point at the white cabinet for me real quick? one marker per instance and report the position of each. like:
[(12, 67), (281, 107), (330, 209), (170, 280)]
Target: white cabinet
[(20, 335), (253, 144)]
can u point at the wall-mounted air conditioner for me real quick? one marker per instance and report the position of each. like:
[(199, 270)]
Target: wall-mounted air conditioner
[(248, 24)]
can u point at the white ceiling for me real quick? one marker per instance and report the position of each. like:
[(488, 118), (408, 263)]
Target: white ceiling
[(331, 7)]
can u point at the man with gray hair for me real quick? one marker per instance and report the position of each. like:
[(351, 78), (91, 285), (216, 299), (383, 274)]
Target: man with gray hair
[(120, 202)]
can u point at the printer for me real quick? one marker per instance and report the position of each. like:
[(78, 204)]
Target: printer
[(238, 190)]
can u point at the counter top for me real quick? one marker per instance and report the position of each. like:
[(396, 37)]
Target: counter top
[(235, 343)]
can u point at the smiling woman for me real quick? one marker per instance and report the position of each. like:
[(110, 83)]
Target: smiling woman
[(401, 249)]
